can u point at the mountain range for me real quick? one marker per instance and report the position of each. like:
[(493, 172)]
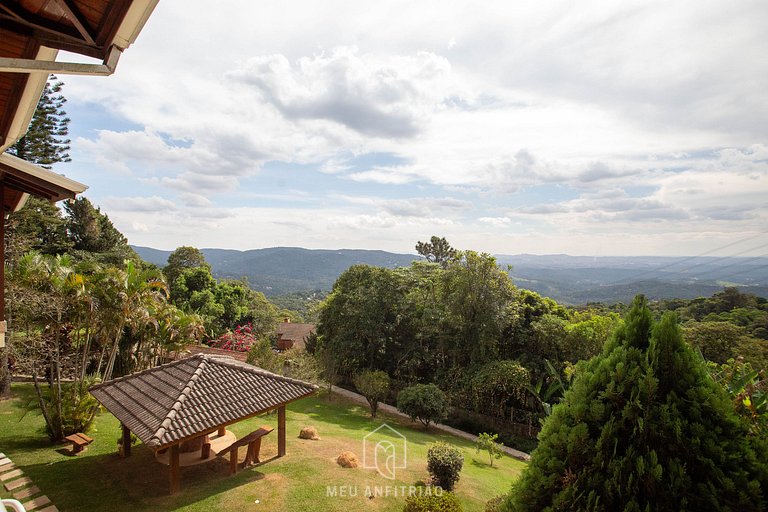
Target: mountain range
[(568, 279)]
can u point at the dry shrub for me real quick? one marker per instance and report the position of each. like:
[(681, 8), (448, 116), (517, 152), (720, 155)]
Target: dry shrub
[(347, 460), (309, 433)]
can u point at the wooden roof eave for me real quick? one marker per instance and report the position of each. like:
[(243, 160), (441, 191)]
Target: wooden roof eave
[(27, 178)]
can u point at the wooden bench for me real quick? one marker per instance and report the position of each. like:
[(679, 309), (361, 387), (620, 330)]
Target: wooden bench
[(79, 442), (253, 440)]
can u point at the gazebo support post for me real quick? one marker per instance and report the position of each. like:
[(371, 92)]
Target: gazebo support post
[(281, 430), (126, 441), (222, 431), (175, 471)]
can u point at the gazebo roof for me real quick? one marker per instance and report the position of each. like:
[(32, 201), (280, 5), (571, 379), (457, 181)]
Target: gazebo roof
[(182, 399)]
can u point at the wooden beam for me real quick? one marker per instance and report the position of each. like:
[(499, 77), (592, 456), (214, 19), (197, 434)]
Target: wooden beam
[(126, 441), (281, 430), (174, 470), (19, 16), (77, 19)]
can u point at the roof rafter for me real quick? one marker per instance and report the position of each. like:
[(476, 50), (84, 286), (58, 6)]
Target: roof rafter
[(77, 19)]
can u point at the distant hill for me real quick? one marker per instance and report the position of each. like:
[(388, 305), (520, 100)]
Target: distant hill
[(581, 279), (282, 270), (567, 279)]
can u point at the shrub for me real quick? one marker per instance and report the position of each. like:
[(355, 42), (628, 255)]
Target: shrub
[(78, 407), (423, 402), (495, 504), (444, 463), (239, 340), (445, 502), (644, 427), (488, 443), (373, 385)]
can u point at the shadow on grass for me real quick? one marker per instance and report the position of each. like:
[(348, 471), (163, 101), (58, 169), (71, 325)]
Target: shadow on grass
[(483, 465), (107, 481)]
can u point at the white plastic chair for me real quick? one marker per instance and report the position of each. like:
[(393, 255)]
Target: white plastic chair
[(15, 505)]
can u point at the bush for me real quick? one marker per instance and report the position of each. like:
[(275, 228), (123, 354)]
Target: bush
[(423, 402), (445, 502), (78, 408), (495, 504), (373, 385), (644, 427), (444, 463)]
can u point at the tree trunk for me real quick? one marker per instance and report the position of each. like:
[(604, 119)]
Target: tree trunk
[(5, 372), (113, 354), (55, 433)]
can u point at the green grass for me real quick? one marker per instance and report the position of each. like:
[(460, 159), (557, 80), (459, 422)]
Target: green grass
[(99, 479)]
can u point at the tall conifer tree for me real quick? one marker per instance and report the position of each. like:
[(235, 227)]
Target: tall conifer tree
[(644, 428), (46, 142)]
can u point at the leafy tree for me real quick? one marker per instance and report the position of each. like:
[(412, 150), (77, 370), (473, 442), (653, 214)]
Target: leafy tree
[(361, 320), (644, 427), (444, 463), (497, 386), (45, 142), (424, 402), (437, 250), (487, 442), (184, 258), (374, 386), (716, 340), (476, 294)]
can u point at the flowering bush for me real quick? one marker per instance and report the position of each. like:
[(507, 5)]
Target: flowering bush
[(239, 340)]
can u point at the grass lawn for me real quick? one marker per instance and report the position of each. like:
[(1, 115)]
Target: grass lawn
[(99, 479)]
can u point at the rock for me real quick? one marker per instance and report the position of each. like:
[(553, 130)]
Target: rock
[(348, 460)]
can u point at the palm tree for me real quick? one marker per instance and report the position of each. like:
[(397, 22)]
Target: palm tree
[(129, 295), (51, 283)]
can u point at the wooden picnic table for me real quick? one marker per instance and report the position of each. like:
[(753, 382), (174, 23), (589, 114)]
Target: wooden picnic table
[(253, 440), (79, 442)]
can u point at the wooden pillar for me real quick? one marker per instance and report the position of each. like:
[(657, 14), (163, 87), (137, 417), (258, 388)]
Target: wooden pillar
[(222, 431), (126, 441), (3, 325), (233, 453), (281, 430), (175, 471)]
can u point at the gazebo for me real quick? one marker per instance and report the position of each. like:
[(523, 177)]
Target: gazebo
[(185, 401)]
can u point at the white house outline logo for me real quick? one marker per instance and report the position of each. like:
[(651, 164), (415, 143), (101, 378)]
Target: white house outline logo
[(382, 454)]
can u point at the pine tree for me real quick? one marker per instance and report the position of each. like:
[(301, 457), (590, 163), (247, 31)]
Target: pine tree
[(45, 142), (644, 427)]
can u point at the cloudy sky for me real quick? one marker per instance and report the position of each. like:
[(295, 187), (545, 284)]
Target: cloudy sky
[(586, 128)]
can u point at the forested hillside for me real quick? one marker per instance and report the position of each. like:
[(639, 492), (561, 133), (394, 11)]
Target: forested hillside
[(568, 279)]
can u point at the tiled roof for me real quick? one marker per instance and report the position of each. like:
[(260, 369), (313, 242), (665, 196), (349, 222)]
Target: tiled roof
[(294, 332), (194, 395)]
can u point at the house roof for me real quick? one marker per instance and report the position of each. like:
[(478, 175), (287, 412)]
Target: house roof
[(33, 31), (22, 178), (192, 396), (293, 331)]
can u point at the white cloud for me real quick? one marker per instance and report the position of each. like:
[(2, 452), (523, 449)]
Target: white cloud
[(645, 118)]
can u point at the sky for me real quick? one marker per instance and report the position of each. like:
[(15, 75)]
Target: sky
[(583, 128)]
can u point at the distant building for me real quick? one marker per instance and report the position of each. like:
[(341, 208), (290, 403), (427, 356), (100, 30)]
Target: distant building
[(292, 335)]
